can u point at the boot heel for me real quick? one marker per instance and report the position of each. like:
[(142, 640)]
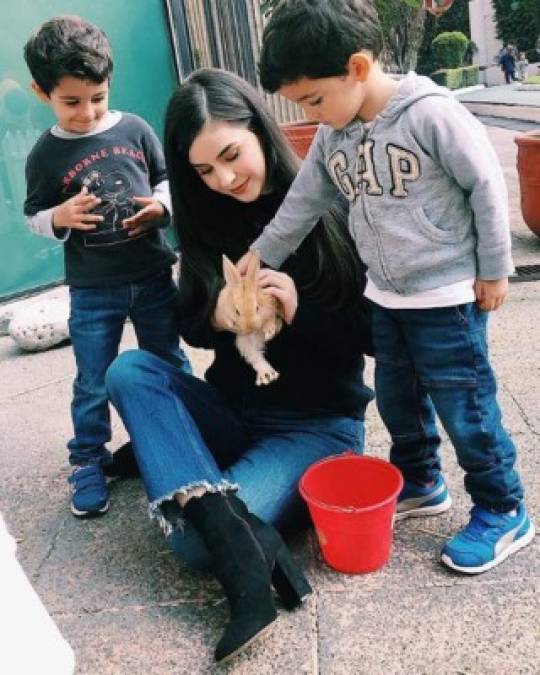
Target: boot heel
[(289, 581)]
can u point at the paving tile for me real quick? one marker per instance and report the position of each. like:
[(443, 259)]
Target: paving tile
[(180, 639), (470, 628)]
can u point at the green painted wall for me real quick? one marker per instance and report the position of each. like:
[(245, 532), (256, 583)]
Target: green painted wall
[(143, 79)]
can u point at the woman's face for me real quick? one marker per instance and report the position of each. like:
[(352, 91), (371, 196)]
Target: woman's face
[(230, 160)]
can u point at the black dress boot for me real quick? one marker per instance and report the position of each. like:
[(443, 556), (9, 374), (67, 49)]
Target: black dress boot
[(123, 464), (287, 578), (240, 566)]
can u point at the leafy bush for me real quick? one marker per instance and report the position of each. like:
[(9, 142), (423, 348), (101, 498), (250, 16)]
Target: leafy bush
[(533, 55), (518, 22), (534, 79), (457, 18), (449, 49), (456, 78)]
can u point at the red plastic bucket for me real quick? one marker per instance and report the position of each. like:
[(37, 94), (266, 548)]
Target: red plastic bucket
[(352, 501)]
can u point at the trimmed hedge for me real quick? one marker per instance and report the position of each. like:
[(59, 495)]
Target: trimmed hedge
[(449, 49), (533, 55), (457, 18), (456, 78)]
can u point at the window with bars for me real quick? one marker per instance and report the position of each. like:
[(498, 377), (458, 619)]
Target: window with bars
[(223, 34)]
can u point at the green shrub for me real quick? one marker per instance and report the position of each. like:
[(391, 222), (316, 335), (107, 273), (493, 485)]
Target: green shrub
[(457, 18), (533, 56), (518, 22), (449, 49), (534, 79), (456, 78)]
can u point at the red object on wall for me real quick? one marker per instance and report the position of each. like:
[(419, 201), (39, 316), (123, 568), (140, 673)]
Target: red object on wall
[(300, 135), (437, 7), (528, 164)]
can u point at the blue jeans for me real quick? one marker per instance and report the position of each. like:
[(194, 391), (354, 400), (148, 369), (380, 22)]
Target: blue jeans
[(436, 361), (96, 324), (185, 434)]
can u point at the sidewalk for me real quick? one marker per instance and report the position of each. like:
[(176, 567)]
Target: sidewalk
[(127, 605), (512, 101)]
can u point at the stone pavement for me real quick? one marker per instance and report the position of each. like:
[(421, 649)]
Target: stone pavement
[(514, 101), (127, 605), (505, 94)]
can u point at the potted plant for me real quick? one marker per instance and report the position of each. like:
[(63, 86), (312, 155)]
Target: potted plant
[(300, 135), (528, 164)]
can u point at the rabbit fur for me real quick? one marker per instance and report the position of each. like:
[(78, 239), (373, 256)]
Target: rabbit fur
[(256, 316)]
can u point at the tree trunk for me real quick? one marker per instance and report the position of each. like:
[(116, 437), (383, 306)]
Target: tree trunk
[(402, 40)]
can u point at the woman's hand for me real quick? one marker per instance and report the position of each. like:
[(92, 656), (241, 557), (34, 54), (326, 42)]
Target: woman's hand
[(244, 261), (224, 317), (282, 287)]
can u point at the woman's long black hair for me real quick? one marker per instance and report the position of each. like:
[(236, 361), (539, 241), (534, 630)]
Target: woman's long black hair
[(208, 224)]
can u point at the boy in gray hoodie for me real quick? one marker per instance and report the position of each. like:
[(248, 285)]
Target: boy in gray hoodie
[(428, 212)]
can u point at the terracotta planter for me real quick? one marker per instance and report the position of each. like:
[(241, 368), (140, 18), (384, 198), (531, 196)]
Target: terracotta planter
[(528, 163), (300, 135)]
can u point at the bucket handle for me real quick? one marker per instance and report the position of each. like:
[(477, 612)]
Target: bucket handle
[(339, 509)]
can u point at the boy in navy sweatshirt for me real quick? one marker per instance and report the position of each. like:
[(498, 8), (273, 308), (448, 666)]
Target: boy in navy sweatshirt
[(96, 181), (428, 212)]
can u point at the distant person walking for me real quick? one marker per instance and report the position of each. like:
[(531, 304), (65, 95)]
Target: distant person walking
[(508, 65), (521, 65)]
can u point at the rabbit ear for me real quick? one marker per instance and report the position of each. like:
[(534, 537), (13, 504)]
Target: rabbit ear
[(230, 273), (254, 265)]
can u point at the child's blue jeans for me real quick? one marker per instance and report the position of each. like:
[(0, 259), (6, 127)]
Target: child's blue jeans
[(185, 434), (436, 361), (96, 323)]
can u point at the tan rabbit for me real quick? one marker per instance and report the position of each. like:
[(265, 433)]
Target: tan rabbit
[(256, 320)]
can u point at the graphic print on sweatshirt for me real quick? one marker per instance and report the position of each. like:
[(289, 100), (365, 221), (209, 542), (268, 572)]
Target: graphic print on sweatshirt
[(403, 166), (114, 187)]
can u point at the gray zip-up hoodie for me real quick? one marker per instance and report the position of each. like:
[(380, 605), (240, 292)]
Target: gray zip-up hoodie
[(427, 197)]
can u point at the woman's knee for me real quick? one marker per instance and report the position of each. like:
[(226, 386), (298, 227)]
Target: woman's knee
[(125, 371)]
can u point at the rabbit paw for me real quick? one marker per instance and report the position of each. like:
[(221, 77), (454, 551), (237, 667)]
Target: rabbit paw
[(266, 374), (269, 332)]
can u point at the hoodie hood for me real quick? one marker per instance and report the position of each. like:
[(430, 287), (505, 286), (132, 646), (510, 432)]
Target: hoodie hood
[(412, 88)]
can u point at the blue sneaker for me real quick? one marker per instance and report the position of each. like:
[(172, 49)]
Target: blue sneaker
[(488, 539), (416, 500), (90, 497)]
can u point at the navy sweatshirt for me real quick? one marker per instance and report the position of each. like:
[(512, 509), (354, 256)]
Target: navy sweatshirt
[(116, 164)]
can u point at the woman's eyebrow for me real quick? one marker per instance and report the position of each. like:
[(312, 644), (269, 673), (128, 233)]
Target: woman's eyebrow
[(226, 149), (223, 152)]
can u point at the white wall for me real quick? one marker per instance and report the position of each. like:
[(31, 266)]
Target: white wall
[(482, 20)]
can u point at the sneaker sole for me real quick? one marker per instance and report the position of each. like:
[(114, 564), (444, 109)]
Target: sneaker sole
[(434, 510), (89, 514), (514, 546)]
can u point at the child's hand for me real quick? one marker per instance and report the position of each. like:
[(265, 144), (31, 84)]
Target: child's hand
[(490, 295), (142, 221), (73, 213), (243, 263), (282, 287)]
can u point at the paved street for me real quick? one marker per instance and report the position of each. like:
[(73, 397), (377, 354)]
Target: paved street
[(127, 605)]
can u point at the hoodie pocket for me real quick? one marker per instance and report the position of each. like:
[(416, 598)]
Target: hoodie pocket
[(433, 232), (407, 244)]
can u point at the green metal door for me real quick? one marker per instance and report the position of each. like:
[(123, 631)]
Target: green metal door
[(144, 77)]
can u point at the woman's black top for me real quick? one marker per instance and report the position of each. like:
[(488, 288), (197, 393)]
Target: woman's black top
[(320, 357)]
